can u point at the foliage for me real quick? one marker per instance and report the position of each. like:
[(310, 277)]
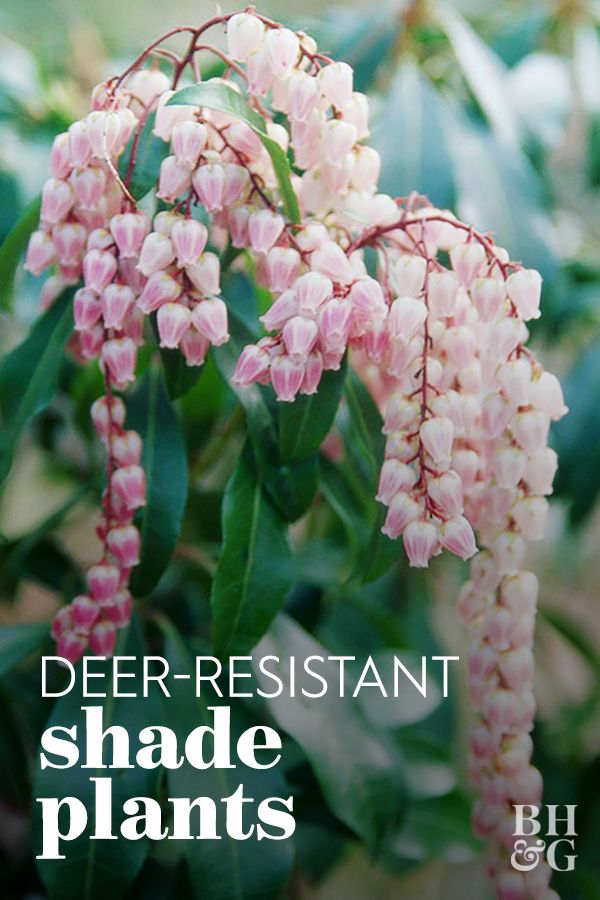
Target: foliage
[(457, 124)]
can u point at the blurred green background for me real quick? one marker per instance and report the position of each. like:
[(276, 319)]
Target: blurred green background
[(493, 110)]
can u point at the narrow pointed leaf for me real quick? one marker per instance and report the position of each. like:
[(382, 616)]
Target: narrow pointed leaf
[(358, 768), (17, 642), (305, 423), (225, 869), (97, 869), (165, 462), (12, 250), (254, 570), (29, 375), (219, 95), (148, 153)]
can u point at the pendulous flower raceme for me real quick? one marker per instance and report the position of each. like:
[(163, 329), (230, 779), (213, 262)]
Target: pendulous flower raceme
[(436, 328)]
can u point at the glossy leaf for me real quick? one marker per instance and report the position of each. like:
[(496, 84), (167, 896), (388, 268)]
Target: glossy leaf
[(218, 95), (484, 72), (165, 462), (96, 869), (409, 135), (225, 869), (179, 377), (254, 571), (499, 191), (363, 39), (304, 424), (435, 828), (149, 152), (17, 642), (357, 767), (291, 483), (29, 375), (12, 249), (577, 436)]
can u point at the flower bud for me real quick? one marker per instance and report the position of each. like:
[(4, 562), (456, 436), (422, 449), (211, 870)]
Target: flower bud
[(406, 317), (236, 181), (160, 288), (395, 476), (118, 610), (284, 308), (245, 33), (157, 253), (103, 638), (281, 267), (60, 163), (525, 290), (530, 430), (299, 337), (173, 320), (264, 229), (488, 295), (188, 141), (335, 81), (313, 369), (282, 47), (442, 290), (194, 347), (446, 491), (116, 301), (102, 419), (120, 357), (124, 544), (421, 542), (205, 274), (335, 321), (210, 318), (331, 261), (286, 377), (129, 231), (103, 581), (99, 269), (436, 436), (57, 199), (467, 261), (87, 309), (252, 365), (41, 252), (127, 448), (84, 612), (129, 484)]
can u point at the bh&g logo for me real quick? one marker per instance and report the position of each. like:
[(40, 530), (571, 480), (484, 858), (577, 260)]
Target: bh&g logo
[(527, 855)]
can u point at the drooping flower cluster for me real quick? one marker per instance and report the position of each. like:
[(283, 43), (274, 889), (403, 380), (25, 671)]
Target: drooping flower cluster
[(436, 329)]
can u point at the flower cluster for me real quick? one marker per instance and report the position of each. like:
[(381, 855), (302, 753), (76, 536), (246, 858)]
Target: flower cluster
[(498, 606), (436, 328), (92, 619)]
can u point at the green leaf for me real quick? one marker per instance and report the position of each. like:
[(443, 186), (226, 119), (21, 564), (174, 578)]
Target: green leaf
[(149, 153), (408, 133), (364, 40), (165, 462), (226, 869), (179, 377), (17, 642), (577, 436), (13, 248), (291, 484), (352, 489), (254, 571), (218, 95), (484, 72), (356, 765), (435, 828), (499, 191), (97, 869), (29, 375), (305, 423)]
